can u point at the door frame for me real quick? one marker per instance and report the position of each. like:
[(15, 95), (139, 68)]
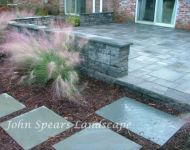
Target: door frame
[(155, 14)]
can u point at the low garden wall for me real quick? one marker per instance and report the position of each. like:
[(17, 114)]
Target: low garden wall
[(100, 54), (103, 55), (39, 21), (96, 18), (82, 20)]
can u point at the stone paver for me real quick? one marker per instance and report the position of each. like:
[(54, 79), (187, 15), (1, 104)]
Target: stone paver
[(143, 120), (35, 127), (97, 138), (184, 87), (9, 105), (167, 74), (157, 54)]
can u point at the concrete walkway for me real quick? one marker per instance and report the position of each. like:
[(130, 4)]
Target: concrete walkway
[(159, 60)]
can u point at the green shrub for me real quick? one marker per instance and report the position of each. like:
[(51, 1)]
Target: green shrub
[(72, 20), (41, 12)]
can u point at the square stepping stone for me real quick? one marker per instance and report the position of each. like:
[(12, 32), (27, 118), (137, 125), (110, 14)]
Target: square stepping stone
[(35, 127), (142, 119), (97, 137), (9, 105)]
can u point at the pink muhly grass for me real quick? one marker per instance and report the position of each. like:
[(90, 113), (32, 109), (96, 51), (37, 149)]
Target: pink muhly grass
[(7, 16), (27, 51), (23, 49), (25, 13)]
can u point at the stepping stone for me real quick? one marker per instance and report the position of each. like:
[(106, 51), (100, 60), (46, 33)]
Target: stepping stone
[(9, 105), (97, 137), (35, 127), (142, 119)]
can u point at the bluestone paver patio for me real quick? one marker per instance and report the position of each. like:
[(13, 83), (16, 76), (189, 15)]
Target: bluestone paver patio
[(146, 121), (9, 105), (97, 137), (35, 127), (158, 60)]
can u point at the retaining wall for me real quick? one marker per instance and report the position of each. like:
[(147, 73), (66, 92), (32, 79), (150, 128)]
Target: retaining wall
[(100, 54)]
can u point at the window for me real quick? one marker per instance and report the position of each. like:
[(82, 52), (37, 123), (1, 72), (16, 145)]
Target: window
[(75, 6), (79, 6)]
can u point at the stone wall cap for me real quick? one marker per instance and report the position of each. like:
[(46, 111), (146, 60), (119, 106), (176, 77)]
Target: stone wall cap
[(101, 39), (97, 13)]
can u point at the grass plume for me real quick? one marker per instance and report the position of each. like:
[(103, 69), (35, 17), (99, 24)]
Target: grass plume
[(42, 61)]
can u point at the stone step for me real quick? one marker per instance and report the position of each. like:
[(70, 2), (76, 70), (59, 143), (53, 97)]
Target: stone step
[(146, 121), (9, 105), (159, 91), (35, 127), (97, 137)]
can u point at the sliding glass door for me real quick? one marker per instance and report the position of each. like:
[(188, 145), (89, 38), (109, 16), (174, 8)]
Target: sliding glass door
[(166, 11), (158, 12), (146, 10)]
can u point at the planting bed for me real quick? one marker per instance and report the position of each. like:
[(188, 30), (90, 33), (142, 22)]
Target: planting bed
[(95, 95)]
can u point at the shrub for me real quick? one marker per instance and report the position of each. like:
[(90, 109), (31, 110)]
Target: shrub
[(72, 20), (41, 61), (41, 12)]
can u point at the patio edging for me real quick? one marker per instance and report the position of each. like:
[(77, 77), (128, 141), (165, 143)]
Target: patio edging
[(181, 107)]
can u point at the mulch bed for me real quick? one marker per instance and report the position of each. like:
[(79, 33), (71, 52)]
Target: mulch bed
[(95, 95)]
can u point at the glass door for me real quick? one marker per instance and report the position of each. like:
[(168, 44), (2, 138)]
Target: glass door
[(158, 12), (146, 10), (166, 12)]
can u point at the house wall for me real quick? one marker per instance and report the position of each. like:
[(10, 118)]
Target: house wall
[(183, 15), (52, 5), (125, 11)]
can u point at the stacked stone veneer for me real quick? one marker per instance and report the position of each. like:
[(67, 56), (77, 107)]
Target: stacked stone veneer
[(96, 18), (100, 55), (39, 21), (85, 19)]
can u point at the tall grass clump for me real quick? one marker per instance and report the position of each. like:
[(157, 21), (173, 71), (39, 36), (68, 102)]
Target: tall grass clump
[(42, 61), (7, 16)]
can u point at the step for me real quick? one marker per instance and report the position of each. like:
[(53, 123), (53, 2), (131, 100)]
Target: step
[(159, 91), (9, 105), (97, 137), (146, 121), (35, 127)]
